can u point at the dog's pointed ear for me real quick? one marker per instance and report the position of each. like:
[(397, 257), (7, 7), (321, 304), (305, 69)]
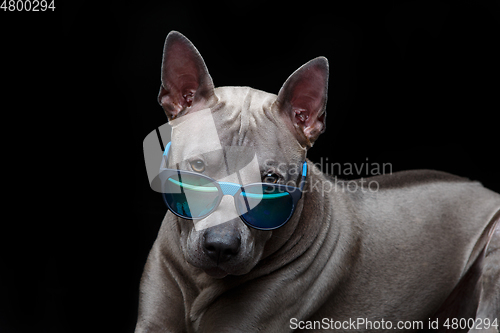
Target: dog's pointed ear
[(186, 84), (302, 100)]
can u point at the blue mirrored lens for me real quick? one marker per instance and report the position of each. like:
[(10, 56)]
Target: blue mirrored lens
[(264, 206), (189, 195)]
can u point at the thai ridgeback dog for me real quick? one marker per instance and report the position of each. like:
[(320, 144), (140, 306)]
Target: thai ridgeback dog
[(420, 251)]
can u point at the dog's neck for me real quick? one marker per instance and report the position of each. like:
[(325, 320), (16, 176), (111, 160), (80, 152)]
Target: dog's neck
[(318, 209), (316, 231)]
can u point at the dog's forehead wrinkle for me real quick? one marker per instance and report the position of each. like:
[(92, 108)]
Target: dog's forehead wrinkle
[(242, 101), (245, 117)]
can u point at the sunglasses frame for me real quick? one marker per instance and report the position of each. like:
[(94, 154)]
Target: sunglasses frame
[(232, 189)]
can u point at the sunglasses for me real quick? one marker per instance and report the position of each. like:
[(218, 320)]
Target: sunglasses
[(262, 206)]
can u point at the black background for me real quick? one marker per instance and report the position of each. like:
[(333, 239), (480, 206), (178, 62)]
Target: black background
[(412, 83)]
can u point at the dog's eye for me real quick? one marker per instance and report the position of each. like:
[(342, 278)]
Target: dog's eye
[(271, 178), (198, 166)]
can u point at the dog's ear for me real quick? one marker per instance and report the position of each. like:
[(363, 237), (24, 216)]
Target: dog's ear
[(186, 85), (302, 100)]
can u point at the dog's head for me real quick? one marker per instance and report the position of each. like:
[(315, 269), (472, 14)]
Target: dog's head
[(218, 131)]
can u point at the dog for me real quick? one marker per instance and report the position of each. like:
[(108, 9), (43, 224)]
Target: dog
[(423, 248)]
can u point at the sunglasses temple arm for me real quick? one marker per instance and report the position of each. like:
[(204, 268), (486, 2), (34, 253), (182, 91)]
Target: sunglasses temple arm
[(167, 148), (304, 175), (165, 155)]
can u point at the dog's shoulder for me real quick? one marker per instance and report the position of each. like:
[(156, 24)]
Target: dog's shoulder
[(411, 178)]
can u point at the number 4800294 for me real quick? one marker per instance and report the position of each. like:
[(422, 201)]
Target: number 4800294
[(27, 5)]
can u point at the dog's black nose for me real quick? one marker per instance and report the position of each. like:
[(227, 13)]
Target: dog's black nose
[(220, 244)]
